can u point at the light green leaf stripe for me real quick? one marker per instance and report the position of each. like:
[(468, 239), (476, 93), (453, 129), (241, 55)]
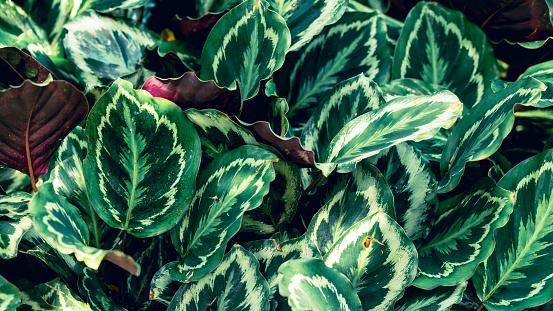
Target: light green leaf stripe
[(356, 44), (56, 294), (404, 118), (481, 131), (310, 285), (438, 299), (91, 287), (103, 48), (9, 295), (61, 224), (462, 235), (519, 274), (378, 258), (143, 157), (228, 186), (247, 45), (411, 181), (236, 284), (366, 193), (11, 232), (544, 73), (15, 22), (440, 46), (272, 255), (15, 205), (306, 19)]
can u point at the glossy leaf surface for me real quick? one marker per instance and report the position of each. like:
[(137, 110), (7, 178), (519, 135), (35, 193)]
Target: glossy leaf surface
[(439, 299), (247, 45), (143, 157), (11, 232), (9, 295)]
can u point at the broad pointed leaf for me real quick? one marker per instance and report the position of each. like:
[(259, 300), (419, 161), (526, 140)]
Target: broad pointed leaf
[(228, 186), (61, 224), (411, 181), (518, 273), (247, 44), (366, 193), (15, 205), (9, 295), (11, 232), (272, 255), (375, 248), (35, 118), (440, 46), (143, 157), (481, 131), (104, 49), (438, 299), (306, 18), (356, 44), (404, 118), (462, 235), (310, 285), (236, 284)]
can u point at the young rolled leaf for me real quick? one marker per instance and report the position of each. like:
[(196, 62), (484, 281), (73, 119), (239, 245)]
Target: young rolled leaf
[(143, 157), (404, 118), (377, 257), (366, 193), (61, 224), (356, 44), (104, 48), (272, 255), (228, 186), (462, 235), (440, 46), (11, 232), (410, 179), (247, 45), (438, 299), (236, 284), (307, 19), (518, 273), (310, 285), (481, 131), (9, 295), (35, 119)]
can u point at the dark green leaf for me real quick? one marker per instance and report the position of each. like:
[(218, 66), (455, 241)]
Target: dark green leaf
[(438, 299)]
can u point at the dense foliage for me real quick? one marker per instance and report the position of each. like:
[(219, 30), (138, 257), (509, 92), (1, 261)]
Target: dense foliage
[(276, 155)]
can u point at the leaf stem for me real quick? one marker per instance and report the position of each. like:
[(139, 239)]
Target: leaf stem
[(124, 241), (313, 184), (481, 307)]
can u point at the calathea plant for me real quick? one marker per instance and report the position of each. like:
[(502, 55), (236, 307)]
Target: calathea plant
[(275, 155)]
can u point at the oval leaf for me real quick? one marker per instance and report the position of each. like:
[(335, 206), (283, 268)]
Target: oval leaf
[(247, 44), (228, 186), (143, 157)]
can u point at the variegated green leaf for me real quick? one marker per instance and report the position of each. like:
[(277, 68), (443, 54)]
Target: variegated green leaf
[(103, 48), (365, 194), (15, 205), (247, 45), (236, 284), (61, 224), (14, 21), (12, 180), (218, 134), (272, 255), (462, 235), (310, 285), (143, 157), (355, 44), (306, 19), (105, 6), (97, 299), (544, 73), (433, 148), (440, 46), (9, 295), (228, 186), (518, 274), (377, 257), (410, 179), (163, 286), (438, 299), (31, 298), (343, 103), (11, 232), (404, 118), (481, 131), (56, 294), (409, 86)]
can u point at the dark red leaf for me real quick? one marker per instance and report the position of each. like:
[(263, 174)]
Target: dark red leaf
[(189, 91), (16, 66), (195, 31), (33, 122)]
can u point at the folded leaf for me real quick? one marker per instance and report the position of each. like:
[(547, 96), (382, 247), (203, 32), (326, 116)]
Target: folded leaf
[(143, 157)]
